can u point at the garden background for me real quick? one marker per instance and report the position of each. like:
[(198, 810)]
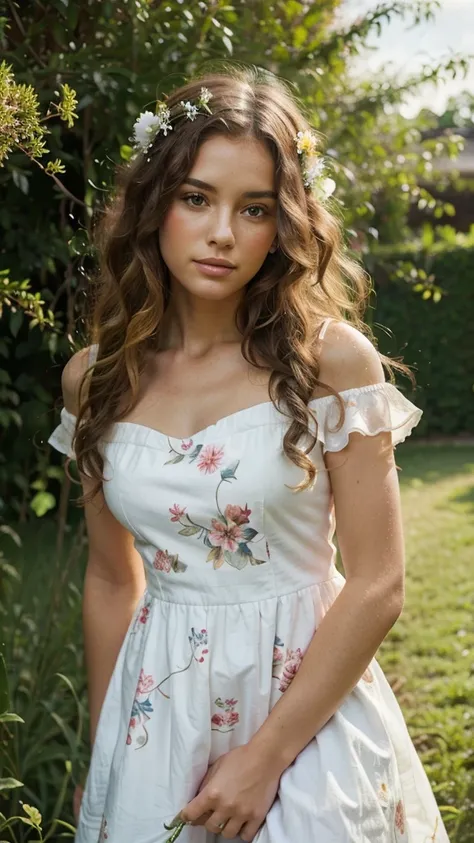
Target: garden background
[(73, 80)]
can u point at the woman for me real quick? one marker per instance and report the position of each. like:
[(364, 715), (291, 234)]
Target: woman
[(229, 413)]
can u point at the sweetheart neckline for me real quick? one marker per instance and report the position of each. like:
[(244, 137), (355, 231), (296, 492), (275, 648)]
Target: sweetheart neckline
[(244, 410)]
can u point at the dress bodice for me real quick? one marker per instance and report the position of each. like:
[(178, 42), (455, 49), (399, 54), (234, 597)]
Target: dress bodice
[(213, 516)]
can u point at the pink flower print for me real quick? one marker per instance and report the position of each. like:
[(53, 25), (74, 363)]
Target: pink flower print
[(383, 791), (226, 719), (210, 458), (400, 817), (145, 683), (225, 535), (198, 642), (236, 514), (143, 617), (162, 561), (186, 445), (103, 830), (292, 664), (177, 512), (277, 656)]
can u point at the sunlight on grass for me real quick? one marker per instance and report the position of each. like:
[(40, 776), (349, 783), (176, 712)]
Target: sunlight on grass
[(429, 655)]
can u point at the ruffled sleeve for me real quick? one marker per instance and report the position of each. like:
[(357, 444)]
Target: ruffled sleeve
[(368, 410), (62, 435)]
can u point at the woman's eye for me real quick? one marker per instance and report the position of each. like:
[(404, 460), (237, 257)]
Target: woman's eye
[(257, 208), (193, 196)]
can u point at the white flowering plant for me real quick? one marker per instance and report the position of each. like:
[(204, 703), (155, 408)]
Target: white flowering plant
[(313, 166), (148, 125)]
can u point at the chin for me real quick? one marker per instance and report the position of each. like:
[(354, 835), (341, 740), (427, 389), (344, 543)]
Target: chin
[(212, 288)]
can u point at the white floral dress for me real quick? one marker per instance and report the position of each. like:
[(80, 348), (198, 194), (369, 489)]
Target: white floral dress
[(240, 571)]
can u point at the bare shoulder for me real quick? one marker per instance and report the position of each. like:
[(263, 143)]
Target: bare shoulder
[(71, 378), (348, 358)]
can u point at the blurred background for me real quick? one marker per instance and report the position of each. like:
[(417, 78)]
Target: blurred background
[(391, 87)]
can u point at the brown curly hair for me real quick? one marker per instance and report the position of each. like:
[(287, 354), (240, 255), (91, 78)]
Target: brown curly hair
[(311, 275)]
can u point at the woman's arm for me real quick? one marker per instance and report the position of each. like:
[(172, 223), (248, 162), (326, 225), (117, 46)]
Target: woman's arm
[(114, 580), (370, 538)]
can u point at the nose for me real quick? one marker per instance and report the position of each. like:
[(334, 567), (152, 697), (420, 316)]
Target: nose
[(220, 230)]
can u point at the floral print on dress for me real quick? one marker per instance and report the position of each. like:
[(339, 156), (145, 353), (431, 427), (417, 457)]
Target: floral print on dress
[(226, 719), (179, 456), (230, 535), (144, 613), (141, 618), (400, 818), (383, 792), (142, 707), (103, 831), (167, 562), (285, 666), (209, 457)]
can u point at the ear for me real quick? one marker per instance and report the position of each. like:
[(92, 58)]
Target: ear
[(273, 247)]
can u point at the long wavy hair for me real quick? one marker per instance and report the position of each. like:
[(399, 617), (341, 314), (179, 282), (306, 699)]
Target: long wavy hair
[(311, 275)]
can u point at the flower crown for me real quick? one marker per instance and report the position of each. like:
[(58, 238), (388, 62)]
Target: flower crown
[(148, 126)]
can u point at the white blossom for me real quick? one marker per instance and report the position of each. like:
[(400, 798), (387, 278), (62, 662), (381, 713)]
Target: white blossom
[(191, 110)]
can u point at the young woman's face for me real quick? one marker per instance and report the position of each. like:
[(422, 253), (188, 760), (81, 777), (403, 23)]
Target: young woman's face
[(226, 209)]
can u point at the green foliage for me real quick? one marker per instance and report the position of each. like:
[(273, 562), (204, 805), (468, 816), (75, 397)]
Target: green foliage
[(426, 314), (42, 751), (21, 122)]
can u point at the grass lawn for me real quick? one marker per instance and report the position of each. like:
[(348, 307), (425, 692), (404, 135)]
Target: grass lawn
[(428, 656)]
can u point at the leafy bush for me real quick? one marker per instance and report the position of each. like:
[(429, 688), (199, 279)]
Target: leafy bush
[(435, 337), (42, 747)]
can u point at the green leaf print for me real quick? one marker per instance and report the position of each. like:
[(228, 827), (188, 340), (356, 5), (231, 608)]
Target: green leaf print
[(194, 455), (175, 459), (216, 555), (229, 472), (238, 559), (249, 533), (189, 531)]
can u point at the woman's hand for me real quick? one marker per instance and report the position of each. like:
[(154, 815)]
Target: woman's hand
[(238, 791)]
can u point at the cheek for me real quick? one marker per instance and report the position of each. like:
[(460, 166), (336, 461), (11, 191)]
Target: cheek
[(175, 222), (259, 240)]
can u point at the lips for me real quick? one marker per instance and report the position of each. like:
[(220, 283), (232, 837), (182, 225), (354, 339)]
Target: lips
[(214, 270), (215, 262)]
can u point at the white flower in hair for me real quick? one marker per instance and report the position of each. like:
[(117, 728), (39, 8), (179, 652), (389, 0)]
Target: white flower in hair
[(306, 143), (205, 96), (324, 189), (147, 126), (313, 166), (191, 110), (313, 169)]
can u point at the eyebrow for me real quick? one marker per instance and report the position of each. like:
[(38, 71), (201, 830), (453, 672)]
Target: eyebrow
[(251, 194)]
